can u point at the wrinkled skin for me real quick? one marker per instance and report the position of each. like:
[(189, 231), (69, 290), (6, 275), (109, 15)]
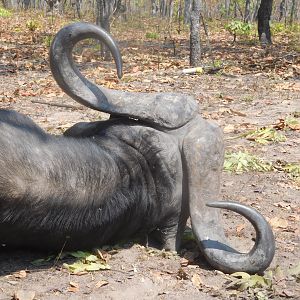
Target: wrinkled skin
[(145, 171)]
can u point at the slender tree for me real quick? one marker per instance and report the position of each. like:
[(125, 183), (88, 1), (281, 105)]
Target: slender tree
[(195, 43), (255, 11), (187, 11), (247, 11), (154, 7), (293, 11), (227, 8), (282, 10), (104, 11)]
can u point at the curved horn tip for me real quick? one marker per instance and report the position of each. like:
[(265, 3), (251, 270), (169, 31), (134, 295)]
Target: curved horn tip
[(217, 204), (230, 205), (265, 244), (223, 204), (120, 74)]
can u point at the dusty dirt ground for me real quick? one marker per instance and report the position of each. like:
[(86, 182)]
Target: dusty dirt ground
[(238, 100)]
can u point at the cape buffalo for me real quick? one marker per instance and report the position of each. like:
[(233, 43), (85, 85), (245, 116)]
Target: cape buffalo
[(144, 171)]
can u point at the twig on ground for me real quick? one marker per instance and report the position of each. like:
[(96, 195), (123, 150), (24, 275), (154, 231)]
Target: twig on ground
[(58, 104)]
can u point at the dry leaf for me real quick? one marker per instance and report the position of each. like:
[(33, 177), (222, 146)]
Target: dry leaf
[(294, 126), (240, 228), (74, 287), (135, 69), (289, 293), (277, 222), (156, 276), (229, 128), (74, 284), (184, 262), (197, 281), (181, 274), (283, 204), (50, 95), (20, 274), (228, 98), (238, 113), (12, 282), (101, 283), (23, 295)]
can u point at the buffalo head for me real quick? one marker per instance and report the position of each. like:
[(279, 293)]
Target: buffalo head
[(168, 111)]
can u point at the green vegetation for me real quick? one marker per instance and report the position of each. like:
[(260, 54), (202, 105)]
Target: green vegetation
[(32, 25), (277, 27), (261, 287), (290, 31), (42, 261), (4, 12), (188, 235), (86, 262), (162, 253), (257, 286), (217, 63), (241, 162), (265, 135), (293, 169), (152, 35), (238, 28), (48, 40), (248, 98), (291, 123)]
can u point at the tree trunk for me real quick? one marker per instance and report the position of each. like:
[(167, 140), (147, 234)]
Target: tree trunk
[(78, 4), (170, 9), (227, 8), (235, 9), (195, 43), (154, 7), (187, 11), (6, 3), (247, 11), (263, 18), (104, 10), (163, 8), (26, 4), (282, 10), (293, 12), (255, 12)]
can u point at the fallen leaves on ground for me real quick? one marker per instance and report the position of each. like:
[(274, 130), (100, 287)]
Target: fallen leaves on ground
[(266, 286), (243, 162), (20, 274), (278, 222), (196, 280), (288, 123), (73, 287), (101, 283), (87, 262), (265, 135)]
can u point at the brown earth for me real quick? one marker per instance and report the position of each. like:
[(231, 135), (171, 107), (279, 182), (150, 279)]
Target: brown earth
[(238, 99)]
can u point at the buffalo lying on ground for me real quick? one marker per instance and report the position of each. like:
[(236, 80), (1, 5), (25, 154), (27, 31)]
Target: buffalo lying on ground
[(144, 171)]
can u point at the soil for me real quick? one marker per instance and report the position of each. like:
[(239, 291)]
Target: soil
[(236, 101)]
